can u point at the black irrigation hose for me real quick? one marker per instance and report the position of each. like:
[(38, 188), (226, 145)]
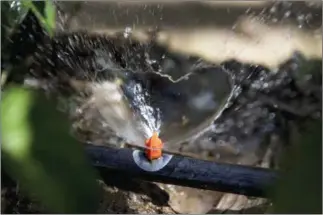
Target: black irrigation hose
[(185, 171)]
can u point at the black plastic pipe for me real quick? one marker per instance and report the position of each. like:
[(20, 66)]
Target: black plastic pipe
[(189, 172)]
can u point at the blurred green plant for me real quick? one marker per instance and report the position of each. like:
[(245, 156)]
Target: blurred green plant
[(37, 149), (46, 16), (38, 152), (12, 15), (300, 188)]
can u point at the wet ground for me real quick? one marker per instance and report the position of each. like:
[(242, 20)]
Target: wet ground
[(253, 130)]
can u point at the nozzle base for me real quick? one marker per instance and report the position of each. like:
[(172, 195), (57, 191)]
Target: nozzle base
[(150, 165)]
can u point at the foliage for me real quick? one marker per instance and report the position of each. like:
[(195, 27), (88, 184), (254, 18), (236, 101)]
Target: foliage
[(300, 187), (37, 149), (47, 16)]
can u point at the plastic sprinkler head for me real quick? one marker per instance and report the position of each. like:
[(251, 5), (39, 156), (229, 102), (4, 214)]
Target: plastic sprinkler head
[(152, 159), (154, 146)]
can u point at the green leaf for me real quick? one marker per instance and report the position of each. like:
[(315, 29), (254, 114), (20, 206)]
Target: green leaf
[(12, 13), (300, 187), (38, 151), (47, 17), (50, 13)]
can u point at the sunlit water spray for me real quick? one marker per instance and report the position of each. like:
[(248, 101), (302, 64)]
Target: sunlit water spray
[(127, 112), (130, 117), (151, 121)]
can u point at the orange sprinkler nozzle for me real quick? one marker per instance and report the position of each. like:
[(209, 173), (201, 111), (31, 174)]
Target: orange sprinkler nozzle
[(154, 146)]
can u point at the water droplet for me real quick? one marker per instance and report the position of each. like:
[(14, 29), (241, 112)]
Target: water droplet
[(301, 18), (287, 14), (127, 32), (273, 9), (272, 116)]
